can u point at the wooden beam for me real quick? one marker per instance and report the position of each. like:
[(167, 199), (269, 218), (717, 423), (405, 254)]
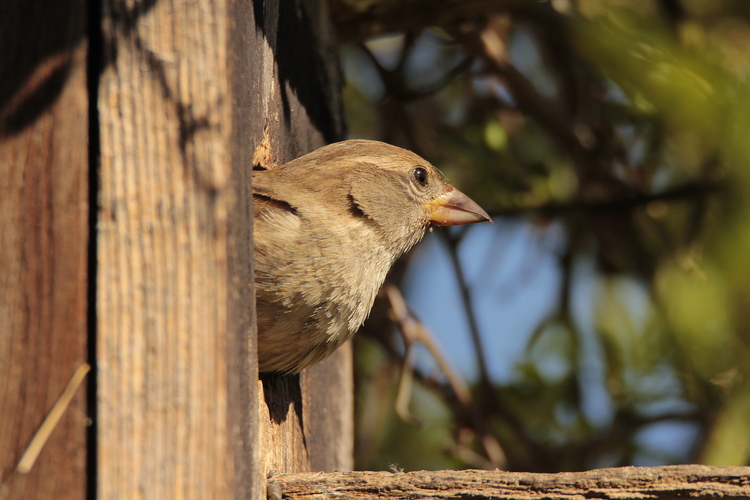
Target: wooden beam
[(167, 318), (189, 91), (626, 483), (44, 238), (242, 359)]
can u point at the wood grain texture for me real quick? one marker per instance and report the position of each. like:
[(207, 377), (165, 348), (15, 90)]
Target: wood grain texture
[(627, 483), (178, 387), (328, 410), (43, 243), (242, 360), (307, 420), (162, 321)]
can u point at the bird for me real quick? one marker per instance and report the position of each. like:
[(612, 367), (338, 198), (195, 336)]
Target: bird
[(327, 227)]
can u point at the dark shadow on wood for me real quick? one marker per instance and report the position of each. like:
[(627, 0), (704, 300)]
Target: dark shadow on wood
[(36, 68), (300, 58), (94, 69), (279, 391)]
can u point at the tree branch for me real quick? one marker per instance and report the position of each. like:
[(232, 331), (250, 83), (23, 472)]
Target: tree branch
[(685, 192)]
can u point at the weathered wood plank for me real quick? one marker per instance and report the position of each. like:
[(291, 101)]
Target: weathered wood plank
[(243, 407), (43, 243), (631, 483), (162, 319)]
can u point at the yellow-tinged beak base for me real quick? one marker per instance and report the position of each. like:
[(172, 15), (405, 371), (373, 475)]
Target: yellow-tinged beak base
[(453, 208)]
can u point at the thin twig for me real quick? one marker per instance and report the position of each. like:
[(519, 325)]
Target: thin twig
[(471, 319), (490, 392), (395, 84), (53, 417), (405, 383), (413, 332)]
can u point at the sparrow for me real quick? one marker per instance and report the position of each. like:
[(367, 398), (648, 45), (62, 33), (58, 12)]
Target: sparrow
[(327, 228)]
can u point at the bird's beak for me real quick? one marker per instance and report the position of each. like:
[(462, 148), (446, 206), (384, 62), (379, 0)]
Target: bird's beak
[(454, 208)]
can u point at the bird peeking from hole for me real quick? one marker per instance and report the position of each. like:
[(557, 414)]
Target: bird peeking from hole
[(328, 227)]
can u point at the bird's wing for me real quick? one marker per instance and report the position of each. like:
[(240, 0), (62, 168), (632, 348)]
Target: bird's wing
[(266, 199)]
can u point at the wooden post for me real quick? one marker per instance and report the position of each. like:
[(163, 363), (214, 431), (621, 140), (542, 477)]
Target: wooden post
[(625, 483), (44, 241), (179, 95), (162, 281)]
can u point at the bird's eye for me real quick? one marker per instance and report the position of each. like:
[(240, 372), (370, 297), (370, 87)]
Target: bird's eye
[(420, 174)]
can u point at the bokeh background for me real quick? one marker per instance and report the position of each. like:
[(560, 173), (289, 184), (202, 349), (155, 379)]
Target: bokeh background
[(604, 319)]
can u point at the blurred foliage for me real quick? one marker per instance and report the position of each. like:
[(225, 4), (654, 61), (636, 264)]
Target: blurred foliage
[(625, 122)]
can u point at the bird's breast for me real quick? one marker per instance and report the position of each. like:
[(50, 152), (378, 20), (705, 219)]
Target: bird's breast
[(315, 285)]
